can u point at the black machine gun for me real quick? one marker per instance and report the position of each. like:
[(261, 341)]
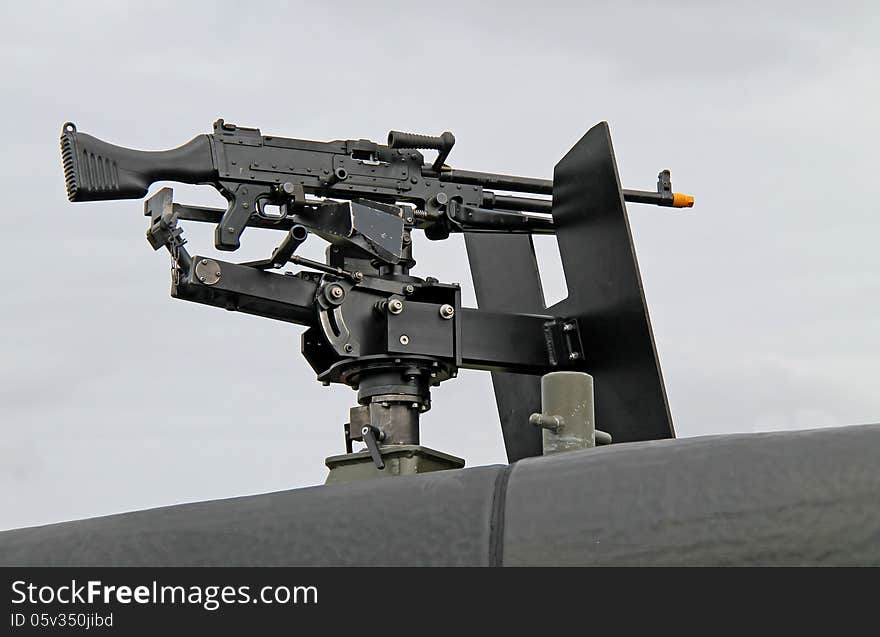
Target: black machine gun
[(372, 324)]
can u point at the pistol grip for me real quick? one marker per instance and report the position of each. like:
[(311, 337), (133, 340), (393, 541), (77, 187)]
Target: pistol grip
[(242, 204)]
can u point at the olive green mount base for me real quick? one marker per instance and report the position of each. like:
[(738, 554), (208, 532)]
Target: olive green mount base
[(400, 460)]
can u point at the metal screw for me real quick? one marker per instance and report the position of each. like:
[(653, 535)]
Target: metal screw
[(409, 289), (202, 279), (447, 311), (404, 339), (348, 348), (204, 262), (395, 306), (359, 276), (574, 356), (336, 292), (568, 327)]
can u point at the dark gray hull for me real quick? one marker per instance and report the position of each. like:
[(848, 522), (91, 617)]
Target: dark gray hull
[(796, 498)]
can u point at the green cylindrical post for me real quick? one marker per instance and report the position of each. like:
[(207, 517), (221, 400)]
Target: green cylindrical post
[(568, 417)]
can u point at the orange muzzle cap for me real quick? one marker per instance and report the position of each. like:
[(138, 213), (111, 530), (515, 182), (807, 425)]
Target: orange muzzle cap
[(682, 201)]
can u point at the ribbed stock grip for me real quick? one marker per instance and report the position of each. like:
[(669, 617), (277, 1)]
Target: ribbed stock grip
[(68, 160), (96, 171), (396, 139)]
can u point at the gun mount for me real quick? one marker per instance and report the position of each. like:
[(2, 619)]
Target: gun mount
[(373, 325)]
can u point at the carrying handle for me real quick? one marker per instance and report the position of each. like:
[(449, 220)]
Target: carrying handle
[(442, 144)]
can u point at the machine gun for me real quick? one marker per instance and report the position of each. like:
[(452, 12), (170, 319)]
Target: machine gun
[(374, 326)]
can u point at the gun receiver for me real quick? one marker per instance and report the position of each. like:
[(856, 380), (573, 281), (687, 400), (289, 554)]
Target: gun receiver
[(253, 171)]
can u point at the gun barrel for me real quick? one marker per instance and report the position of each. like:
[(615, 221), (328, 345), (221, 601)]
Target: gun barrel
[(524, 204), (545, 187), (501, 182)]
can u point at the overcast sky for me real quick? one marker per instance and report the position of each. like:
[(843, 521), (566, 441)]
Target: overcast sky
[(764, 297)]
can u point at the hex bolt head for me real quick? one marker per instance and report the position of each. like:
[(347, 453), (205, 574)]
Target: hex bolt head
[(395, 306), (447, 311), (409, 289), (404, 339), (204, 262), (336, 292)]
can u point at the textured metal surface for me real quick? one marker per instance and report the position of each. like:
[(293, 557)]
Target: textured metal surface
[(780, 498), (439, 519), (794, 498), (605, 292), (506, 279)]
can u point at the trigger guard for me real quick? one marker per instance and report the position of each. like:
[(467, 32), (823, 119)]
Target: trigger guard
[(259, 206)]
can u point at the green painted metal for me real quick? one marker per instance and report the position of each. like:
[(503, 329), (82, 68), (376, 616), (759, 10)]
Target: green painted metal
[(400, 460)]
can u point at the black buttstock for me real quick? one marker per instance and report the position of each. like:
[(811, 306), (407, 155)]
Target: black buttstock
[(97, 171)]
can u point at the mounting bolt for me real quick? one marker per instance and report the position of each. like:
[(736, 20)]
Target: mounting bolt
[(573, 356), (409, 289), (395, 306), (568, 327), (404, 339), (348, 348), (447, 311), (204, 262), (336, 292)]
